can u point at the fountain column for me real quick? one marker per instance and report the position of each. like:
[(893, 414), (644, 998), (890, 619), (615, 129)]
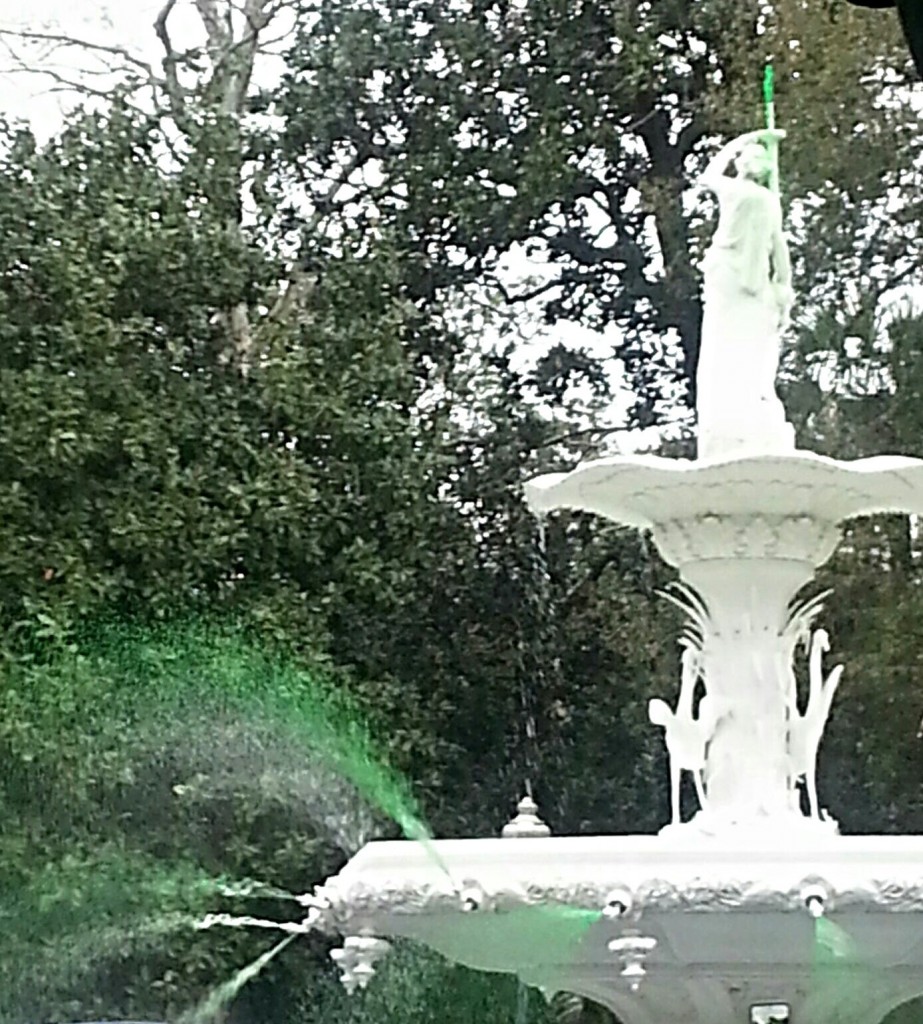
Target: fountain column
[(741, 575)]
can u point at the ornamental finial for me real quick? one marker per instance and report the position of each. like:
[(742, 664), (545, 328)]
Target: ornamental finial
[(527, 824)]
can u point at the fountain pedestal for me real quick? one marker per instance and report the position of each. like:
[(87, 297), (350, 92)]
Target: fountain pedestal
[(746, 535), (746, 638)]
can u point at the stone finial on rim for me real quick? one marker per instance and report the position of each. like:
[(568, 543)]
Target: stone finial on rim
[(527, 824)]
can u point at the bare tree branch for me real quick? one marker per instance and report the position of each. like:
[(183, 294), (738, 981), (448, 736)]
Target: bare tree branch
[(219, 34), (176, 94), (160, 26), (63, 76), (67, 85), (526, 296), (222, 87), (258, 13), (293, 291), (59, 40)]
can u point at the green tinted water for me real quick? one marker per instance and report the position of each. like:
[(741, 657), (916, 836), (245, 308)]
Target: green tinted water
[(75, 914), (217, 697), (172, 677), (172, 687), (833, 945)]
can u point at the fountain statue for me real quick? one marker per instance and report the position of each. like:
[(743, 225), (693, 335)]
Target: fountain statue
[(718, 918), (747, 299)]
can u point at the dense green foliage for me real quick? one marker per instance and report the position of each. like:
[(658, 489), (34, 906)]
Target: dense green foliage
[(326, 481)]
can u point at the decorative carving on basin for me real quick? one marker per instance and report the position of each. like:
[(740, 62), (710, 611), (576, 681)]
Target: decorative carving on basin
[(679, 871), (749, 743), (645, 490), (792, 538), (726, 923), (654, 894)]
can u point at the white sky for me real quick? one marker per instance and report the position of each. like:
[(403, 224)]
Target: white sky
[(127, 24)]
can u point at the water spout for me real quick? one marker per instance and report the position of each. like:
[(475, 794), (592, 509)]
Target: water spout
[(815, 898), (213, 1006), (618, 903), (472, 898)]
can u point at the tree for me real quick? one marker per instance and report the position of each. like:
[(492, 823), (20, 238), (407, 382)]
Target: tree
[(911, 22), (202, 98), (148, 479)]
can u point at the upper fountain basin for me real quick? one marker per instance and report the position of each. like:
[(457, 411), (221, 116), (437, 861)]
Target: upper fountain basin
[(646, 490)]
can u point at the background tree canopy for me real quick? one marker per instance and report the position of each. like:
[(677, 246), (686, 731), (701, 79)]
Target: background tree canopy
[(278, 359)]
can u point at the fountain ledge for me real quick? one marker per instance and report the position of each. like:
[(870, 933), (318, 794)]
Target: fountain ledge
[(661, 874)]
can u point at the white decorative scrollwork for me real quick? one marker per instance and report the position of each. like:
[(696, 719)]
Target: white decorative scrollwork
[(356, 959)]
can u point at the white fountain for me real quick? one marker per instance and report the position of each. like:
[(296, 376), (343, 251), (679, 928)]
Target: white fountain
[(751, 910)]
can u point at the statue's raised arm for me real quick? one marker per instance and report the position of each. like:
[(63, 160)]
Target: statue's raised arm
[(747, 296), (751, 146), (749, 251)]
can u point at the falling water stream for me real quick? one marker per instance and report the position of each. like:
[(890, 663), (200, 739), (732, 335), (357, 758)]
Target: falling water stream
[(219, 998), (537, 649), (539, 930), (232, 718), (838, 965), (832, 943), (299, 707), (522, 1003), (538, 933), (80, 912)]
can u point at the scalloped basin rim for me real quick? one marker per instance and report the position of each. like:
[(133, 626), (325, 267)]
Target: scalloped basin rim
[(643, 490), (716, 906), (882, 871)]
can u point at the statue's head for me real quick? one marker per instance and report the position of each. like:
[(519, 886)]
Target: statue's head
[(754, 163)]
